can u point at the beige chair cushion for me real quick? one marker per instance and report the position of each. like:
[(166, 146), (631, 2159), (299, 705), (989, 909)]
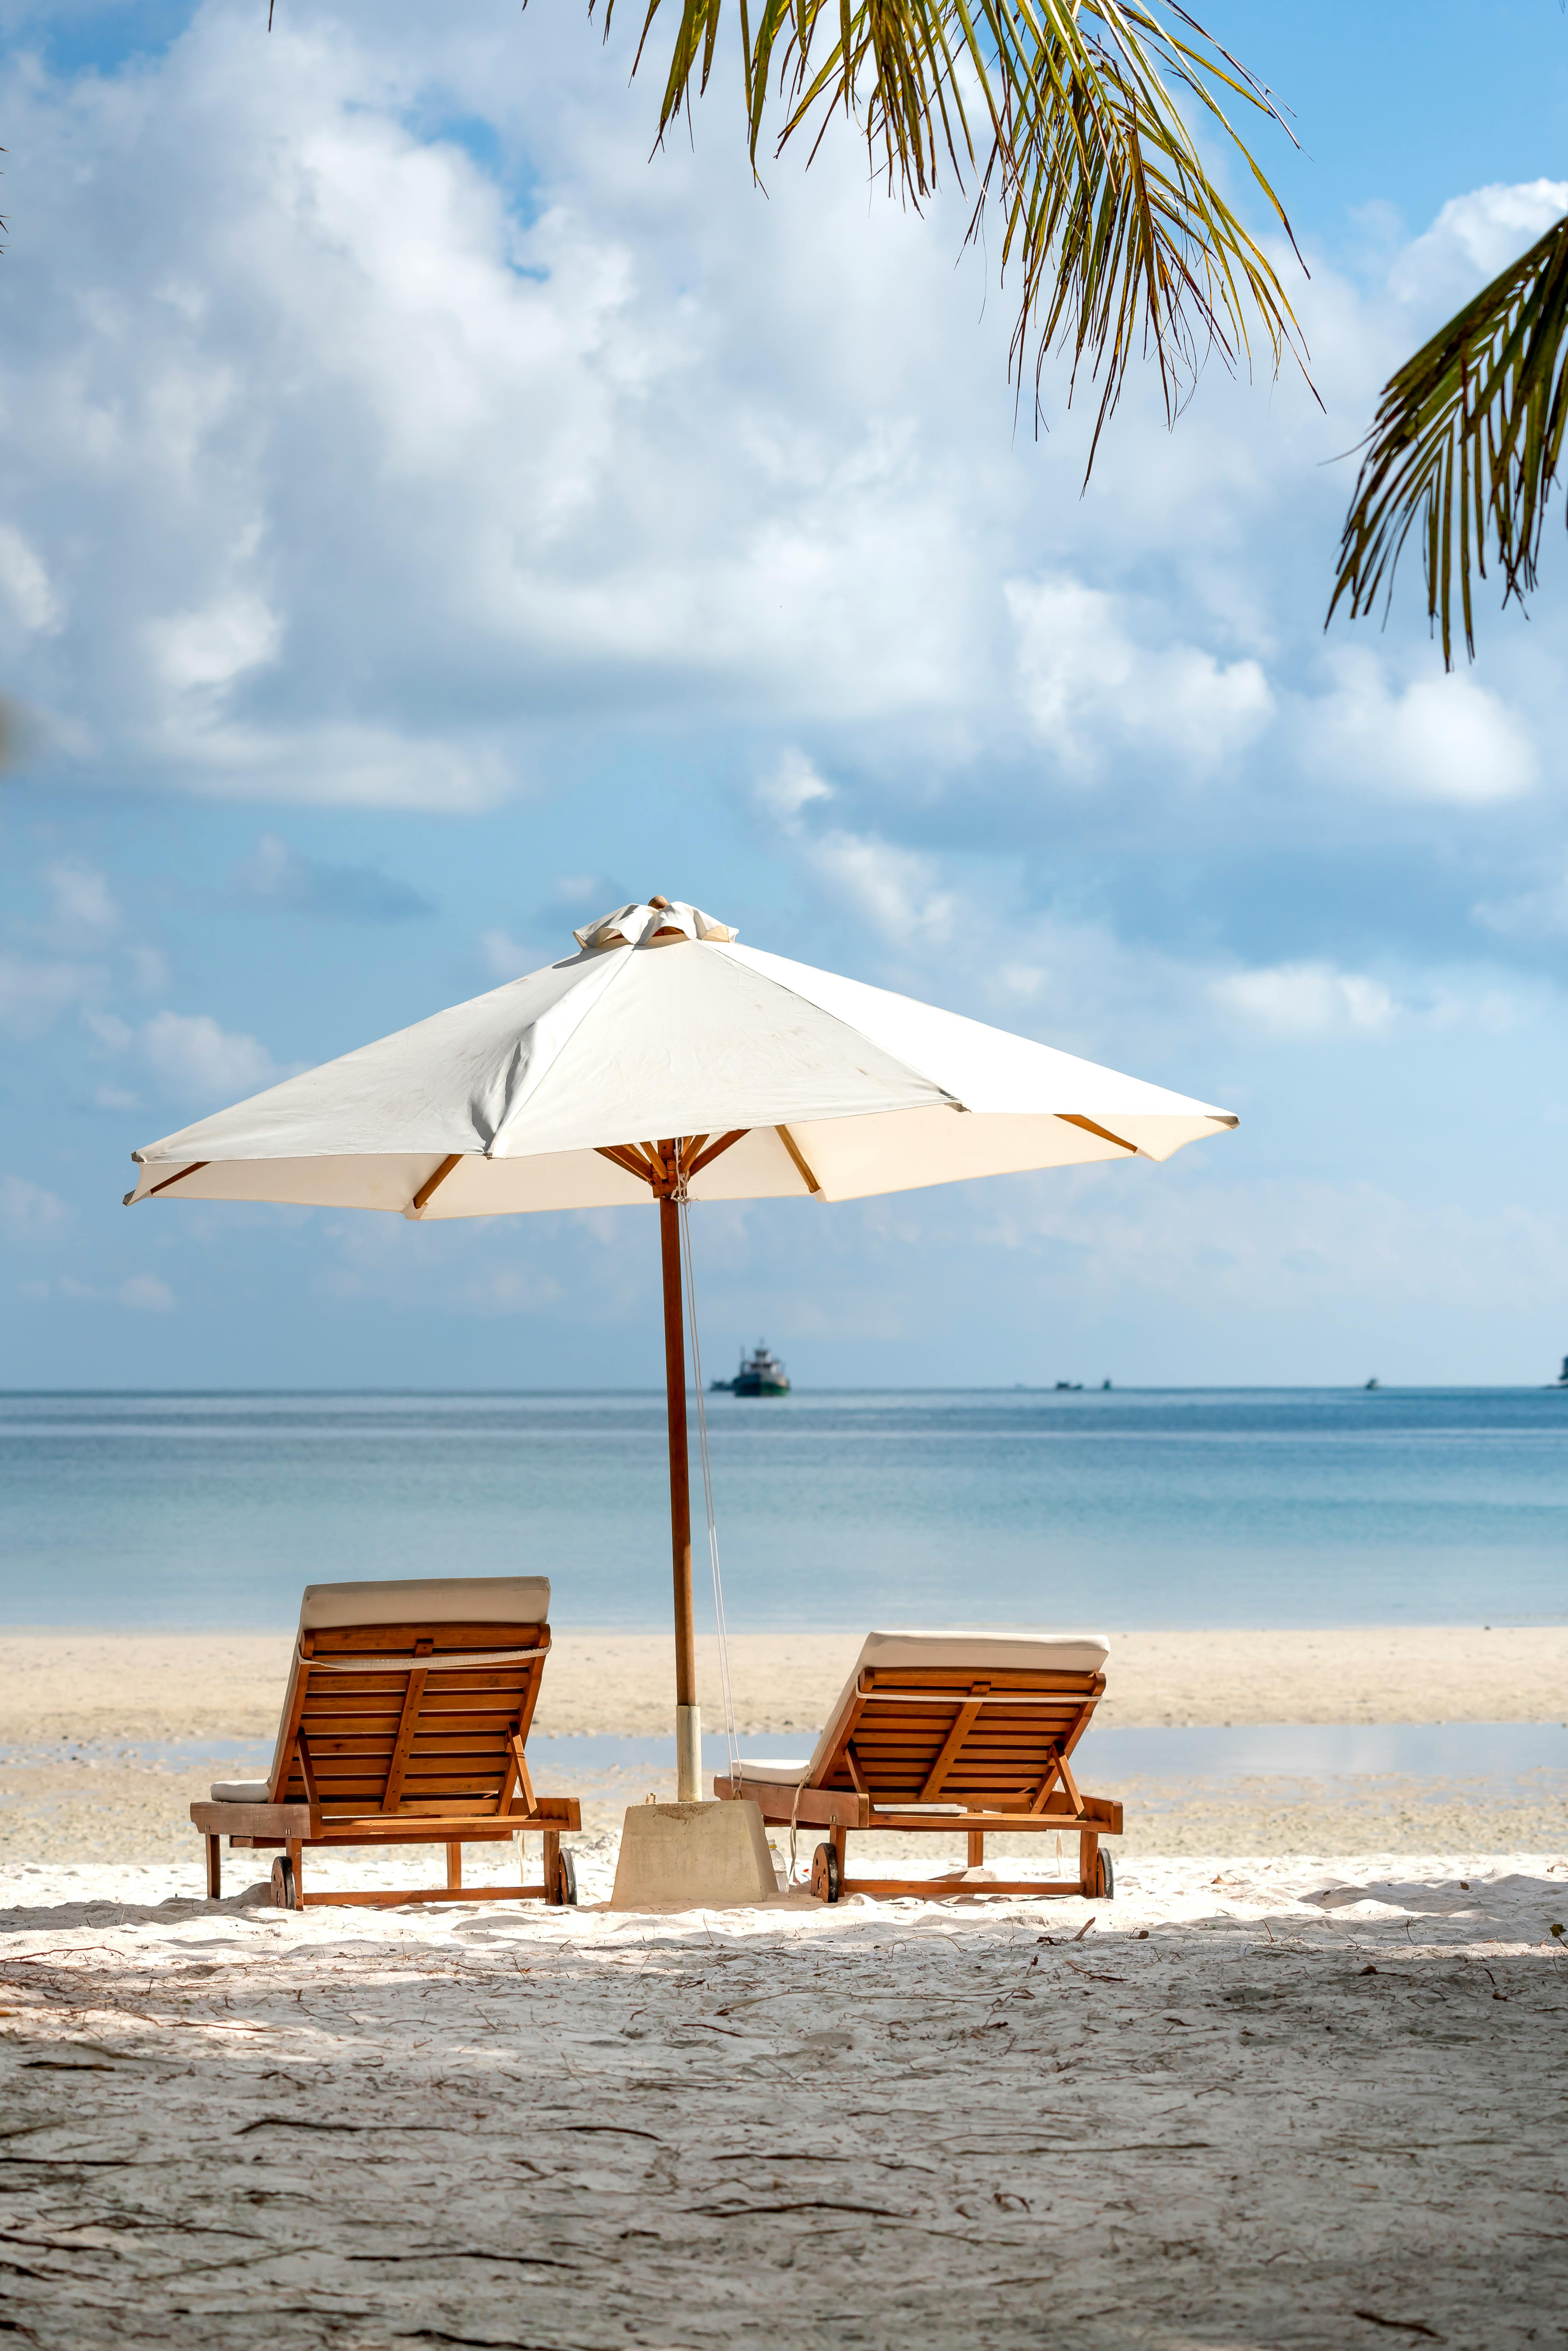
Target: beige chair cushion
[(240, 1791), (428, 1600), (965, 1651), (416, 1600), (1052, 1653)]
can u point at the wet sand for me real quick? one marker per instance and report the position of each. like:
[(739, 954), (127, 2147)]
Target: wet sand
[(145, 1687), (106, 1738)]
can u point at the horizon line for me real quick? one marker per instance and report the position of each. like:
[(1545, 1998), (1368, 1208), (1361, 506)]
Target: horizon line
[(1009, 1387)]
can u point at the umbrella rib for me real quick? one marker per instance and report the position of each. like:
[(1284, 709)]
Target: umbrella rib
[(706, 1158), (1071, 1118), (178, 1177), (432, 1183), (648, 1161), (804, 1172), (623, 1155)]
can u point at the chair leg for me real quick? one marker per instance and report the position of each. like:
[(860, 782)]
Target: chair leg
[(1088, 1860), (454, 1866), (976, 1848), (214, 1868), (840, 1839), (297, 1855), (552, 1866)]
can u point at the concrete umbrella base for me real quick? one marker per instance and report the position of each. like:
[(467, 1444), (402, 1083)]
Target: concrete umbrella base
[(693, 1857)]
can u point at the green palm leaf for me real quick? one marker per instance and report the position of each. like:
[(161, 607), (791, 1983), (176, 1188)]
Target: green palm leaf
[(1070, 121), (1468, 439)]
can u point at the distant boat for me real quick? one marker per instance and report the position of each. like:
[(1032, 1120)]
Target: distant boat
[(762, 1374), (1371, 1384), (1562, 1379)]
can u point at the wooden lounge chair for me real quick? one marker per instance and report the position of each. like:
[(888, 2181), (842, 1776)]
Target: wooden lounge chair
[(938, 1731), (404, 1723)]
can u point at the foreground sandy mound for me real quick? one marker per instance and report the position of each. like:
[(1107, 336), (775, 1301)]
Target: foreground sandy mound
[(1273, 2104)]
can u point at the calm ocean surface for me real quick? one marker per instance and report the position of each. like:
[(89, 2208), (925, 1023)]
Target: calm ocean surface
[(1133, 1509)]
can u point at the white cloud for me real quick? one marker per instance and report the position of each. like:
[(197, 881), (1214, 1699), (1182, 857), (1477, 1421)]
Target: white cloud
[(148, 970), (28, 1210), (275, 873), (195, 1056), (408, 480), (897, 891), (1539, 913), (899, 894), (79, 916), (483, 1267), (34, 993), (362, 431), (1090, 688), (1305, 999), (1282, 1244), (505, 958), (25, 584), (328, 765), (83, 901), (792, 785), (1444, 738), (214, 648), (1473, 238), (145, 1293), (1052, 971), (506, 1289), (142, 1293), (433, 496), (108, 1029)]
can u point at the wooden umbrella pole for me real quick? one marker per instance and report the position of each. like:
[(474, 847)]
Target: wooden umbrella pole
[(688, 1721)]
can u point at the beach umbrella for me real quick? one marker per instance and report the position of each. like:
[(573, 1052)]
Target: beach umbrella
[(665, 1061)]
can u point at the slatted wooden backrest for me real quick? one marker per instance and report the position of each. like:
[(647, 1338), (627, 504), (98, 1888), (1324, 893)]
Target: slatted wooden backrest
[(393, 1729), (917, 1734)]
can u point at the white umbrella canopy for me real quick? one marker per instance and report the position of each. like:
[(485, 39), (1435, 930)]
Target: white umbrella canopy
[(664, 1060), (662, 1024)]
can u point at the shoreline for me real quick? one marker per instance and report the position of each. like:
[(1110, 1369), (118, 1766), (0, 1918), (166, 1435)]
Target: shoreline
[(134, 1686), (83, 1717)]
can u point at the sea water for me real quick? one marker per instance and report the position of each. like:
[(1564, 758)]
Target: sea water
[(1131, 1507)]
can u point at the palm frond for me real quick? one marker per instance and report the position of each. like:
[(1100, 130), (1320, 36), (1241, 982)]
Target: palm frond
[(1072, 122), (1468, 439)]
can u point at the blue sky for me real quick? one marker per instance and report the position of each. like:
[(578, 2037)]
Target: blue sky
[(427, 522)]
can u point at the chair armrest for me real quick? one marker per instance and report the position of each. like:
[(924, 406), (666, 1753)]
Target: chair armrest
[(252, 1820), (838, 1808), (560, 1812)]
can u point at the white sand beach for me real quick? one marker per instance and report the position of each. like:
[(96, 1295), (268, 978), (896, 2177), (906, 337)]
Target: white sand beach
[(1297, 2084), (1314, 2103)]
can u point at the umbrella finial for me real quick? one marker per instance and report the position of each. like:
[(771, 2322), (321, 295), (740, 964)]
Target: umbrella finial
[(659, 923)]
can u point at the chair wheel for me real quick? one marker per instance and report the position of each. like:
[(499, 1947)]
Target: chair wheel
[(564, 1889), (826, 1879), (285, 1892), (1105, 1878)]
